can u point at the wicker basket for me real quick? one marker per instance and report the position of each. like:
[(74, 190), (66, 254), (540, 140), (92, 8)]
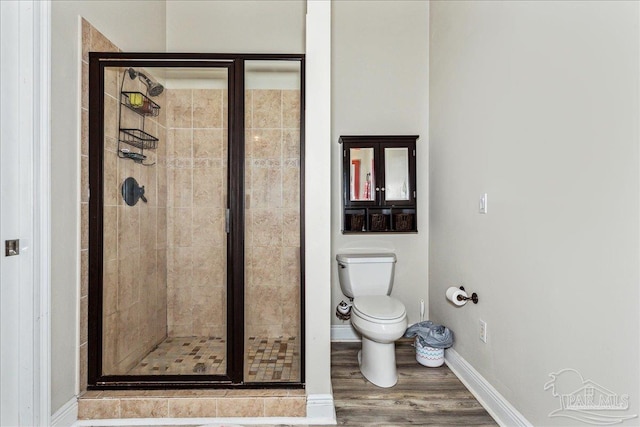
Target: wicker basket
[(356, 222), (378, 222), (403, 222)]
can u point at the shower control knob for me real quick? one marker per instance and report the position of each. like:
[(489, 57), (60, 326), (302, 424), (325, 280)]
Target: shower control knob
[(131, 191), (141, 192)]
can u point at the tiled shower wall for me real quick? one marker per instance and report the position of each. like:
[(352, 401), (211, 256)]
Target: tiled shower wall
[(92, 40), (134, 277), (197, 171), (196, 201), (272, 202)]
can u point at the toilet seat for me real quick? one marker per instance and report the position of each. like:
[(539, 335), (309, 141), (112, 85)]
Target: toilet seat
[(380, 309)]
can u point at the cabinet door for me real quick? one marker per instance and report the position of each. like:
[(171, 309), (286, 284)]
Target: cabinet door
[(360, 179), (398, 174)]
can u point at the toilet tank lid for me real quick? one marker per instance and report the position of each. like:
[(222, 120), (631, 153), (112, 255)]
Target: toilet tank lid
[(365, 258)]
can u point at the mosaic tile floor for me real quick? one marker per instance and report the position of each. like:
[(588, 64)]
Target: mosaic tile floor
[(273, 359), (268, 359), (185, 355)]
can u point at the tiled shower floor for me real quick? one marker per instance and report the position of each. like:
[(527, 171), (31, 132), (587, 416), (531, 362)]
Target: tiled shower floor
[(267, 359), (272, 359), (184, 355)]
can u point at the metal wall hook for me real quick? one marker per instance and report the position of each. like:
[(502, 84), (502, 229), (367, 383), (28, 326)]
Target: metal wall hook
[(473, 297)]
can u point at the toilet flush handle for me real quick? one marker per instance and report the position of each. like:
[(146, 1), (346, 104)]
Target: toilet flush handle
[(342, 265)]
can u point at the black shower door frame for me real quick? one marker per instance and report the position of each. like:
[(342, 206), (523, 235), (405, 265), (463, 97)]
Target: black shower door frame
[(234, 63)]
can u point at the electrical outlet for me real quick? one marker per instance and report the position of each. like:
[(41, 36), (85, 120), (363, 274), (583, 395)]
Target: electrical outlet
[(483, 331)]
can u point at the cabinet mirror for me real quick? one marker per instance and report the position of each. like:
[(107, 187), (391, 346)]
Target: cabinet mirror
[(361, 174), (396, 173)]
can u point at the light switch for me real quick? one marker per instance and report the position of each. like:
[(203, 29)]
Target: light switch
[(483, 203)]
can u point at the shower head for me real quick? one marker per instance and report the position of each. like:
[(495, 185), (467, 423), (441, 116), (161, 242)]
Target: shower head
[(154, 88)]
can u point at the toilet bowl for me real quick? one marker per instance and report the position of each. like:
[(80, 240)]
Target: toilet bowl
[(367, 279), (381, 320)]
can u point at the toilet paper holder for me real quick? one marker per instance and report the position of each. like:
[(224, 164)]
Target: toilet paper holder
[(473, 297)]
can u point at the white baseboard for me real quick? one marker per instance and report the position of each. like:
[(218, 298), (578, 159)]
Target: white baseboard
[(496, 405), (67, 415), (321, 409), (344, 333)]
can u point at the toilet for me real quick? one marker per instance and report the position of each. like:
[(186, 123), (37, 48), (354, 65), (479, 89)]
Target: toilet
[(379, 318)]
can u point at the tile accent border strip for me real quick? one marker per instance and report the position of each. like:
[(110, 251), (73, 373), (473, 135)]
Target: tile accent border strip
[(496, 404)]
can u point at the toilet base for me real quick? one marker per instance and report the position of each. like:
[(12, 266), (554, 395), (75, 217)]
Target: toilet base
[(378, 363)]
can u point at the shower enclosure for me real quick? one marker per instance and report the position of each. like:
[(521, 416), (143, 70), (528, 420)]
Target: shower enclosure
[(195, 220)]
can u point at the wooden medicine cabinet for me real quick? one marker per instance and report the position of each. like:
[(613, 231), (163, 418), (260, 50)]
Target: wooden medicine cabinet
[(379, 184)]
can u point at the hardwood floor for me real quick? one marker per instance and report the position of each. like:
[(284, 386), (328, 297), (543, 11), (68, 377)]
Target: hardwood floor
[(422, 397)]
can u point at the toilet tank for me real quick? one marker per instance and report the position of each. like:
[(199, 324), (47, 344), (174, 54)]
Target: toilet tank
[(366, 274)]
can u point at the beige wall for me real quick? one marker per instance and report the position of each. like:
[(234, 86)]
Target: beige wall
[(196, 191), (537, 104), (229, 26), (380, 75), (140, 28)]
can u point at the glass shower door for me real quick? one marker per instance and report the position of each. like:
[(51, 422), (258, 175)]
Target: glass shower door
[(165, 255), (272, 221), (195, 221)]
